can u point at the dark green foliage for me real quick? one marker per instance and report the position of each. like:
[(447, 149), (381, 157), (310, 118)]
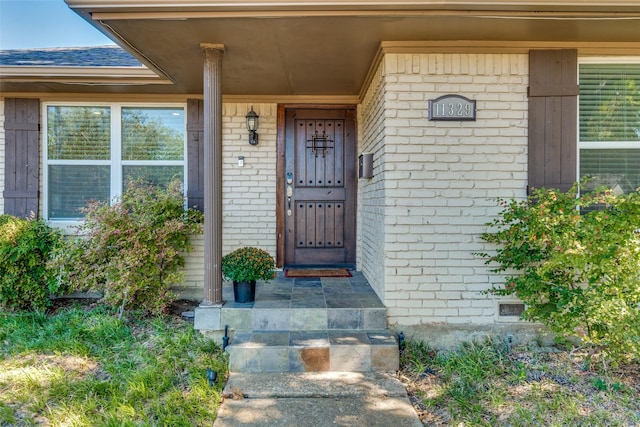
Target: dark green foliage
[(26, 281), (131, 251), (578, 273), (248, 264)]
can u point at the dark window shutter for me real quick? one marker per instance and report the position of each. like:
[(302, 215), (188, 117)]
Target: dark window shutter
[(195, 154), (22, 156), (553, 103)]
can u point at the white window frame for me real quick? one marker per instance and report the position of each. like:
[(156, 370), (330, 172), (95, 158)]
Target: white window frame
[(597, 145), (115, 162)]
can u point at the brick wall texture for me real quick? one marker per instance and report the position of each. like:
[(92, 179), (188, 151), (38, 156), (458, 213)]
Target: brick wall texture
[(436, 182), (249, 192), (371, 192)]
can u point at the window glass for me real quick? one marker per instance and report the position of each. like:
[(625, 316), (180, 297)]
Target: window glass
[(152, 133), (616, 169), (71, 187), (610, 125), (75, 133), (157, 175), (83, 160), (610, 102)]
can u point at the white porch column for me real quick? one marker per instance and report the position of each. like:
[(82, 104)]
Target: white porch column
[(212, 174)]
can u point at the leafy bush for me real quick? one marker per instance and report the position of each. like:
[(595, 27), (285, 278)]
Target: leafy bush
[(131, 251), (26, 281), (248, 264), (574, 260)]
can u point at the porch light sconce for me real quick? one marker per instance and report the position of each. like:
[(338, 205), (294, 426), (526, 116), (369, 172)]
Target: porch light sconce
[(252, 126)]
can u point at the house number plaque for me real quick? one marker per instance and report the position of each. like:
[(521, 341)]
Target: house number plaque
[(452, 107)]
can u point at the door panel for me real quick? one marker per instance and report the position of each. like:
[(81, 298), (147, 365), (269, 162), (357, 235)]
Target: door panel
[(320, 199)]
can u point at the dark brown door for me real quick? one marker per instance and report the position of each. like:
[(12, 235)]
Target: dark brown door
[(319, 181)]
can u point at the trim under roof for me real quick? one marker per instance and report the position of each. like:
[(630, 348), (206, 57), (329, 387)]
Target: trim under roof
[(79, 65)]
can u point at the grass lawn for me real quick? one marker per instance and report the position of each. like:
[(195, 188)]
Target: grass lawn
[(491, 384), (84, 367)]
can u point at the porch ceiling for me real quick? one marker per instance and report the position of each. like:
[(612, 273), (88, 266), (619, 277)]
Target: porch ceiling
[(303, 48)]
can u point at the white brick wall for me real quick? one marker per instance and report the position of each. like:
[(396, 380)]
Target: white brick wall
[(194, 266), (249, 192), (441, 179), (371, 195)]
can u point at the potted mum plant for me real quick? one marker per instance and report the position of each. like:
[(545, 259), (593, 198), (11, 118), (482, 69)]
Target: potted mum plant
[(244, 266)]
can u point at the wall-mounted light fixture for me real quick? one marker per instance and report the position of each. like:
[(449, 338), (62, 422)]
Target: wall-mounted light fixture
[(252, 126)]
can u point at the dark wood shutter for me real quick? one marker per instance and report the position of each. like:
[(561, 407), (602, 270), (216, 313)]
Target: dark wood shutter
[(553, 109), (22, 156), (195, 154)]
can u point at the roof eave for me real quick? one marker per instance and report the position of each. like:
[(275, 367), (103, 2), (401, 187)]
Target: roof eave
[(81, 75), (355, 5)]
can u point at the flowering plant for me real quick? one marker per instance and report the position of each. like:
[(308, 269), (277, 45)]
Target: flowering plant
[(248, 264)]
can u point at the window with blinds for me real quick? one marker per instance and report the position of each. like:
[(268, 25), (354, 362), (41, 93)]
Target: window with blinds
[(92, 152), (609, 125)]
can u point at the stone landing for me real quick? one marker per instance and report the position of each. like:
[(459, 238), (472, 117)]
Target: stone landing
[(310, 325)]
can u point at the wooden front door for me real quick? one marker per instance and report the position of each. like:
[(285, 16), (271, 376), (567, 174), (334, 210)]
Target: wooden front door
[(319, 194)]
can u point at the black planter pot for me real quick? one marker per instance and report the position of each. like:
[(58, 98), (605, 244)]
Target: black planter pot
[(244, 292)]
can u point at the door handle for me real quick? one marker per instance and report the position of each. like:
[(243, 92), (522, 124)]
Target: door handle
[(289, 194)]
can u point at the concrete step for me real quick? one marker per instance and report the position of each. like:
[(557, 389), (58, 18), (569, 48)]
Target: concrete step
[(313, 384), (303, 319), (316, 399), (313, 351)]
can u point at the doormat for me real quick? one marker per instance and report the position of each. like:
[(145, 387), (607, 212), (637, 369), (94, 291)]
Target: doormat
[(316, 272)]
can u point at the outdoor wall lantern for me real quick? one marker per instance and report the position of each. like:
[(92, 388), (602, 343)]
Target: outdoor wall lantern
[(252, 126)]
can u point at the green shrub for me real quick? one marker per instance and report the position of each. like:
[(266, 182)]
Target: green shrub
[(248, 264), (26, 281), (131, 251), (577, 272)]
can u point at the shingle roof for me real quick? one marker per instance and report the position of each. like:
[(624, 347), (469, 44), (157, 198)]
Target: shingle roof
[(92, 56)]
